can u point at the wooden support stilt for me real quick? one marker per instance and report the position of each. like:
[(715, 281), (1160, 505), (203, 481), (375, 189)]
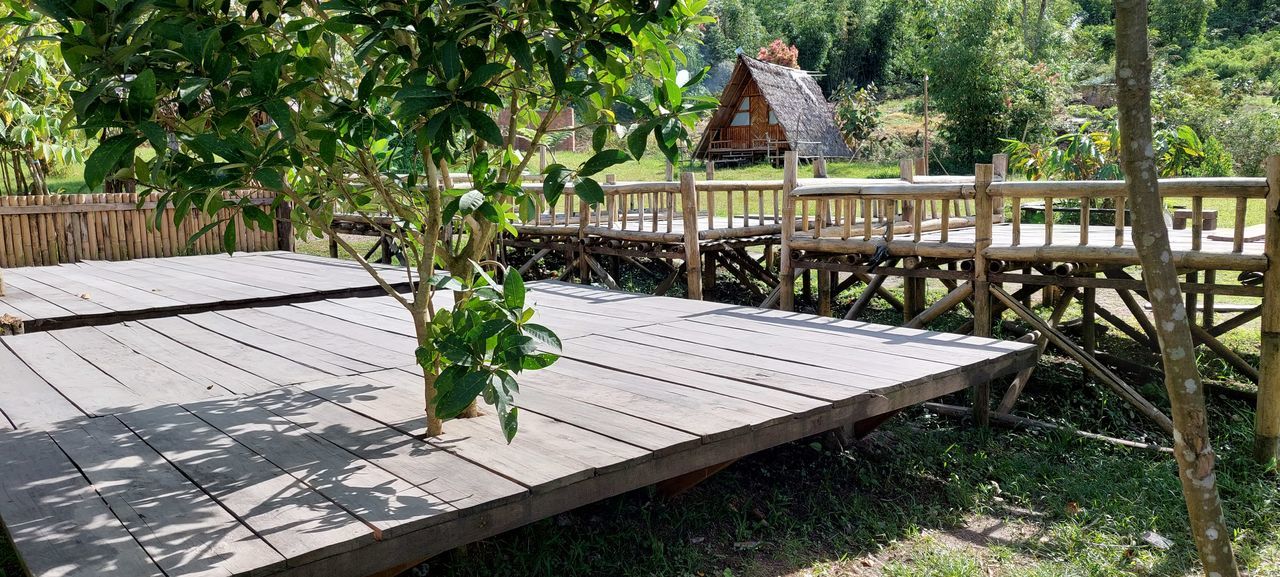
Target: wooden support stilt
[(537, 256), (602, 274), (946, 303), (786, 270), (1224, 352), (982, 313), (677, 486), (824, 293), (913, 292), (1023, 377), (1087, 361), (692, 248), (875, 284), (1236, 322), (1267, 425), (665, 286), (1088, 327)]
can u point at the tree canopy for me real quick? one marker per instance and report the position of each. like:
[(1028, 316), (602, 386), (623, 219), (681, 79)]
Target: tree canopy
[(363, 107)]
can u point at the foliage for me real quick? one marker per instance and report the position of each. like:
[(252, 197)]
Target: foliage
[(736, 27), (778, 52), (1250, 138), (1095, 155), (984, 91), (356, 105), (1180, 23), (1254, 58), (35, 137), (857, 112)]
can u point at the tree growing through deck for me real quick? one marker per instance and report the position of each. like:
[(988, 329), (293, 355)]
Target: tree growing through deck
[(1191, 443), (363, 106)]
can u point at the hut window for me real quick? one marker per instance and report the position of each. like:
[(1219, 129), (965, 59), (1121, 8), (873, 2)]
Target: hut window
[(744, 104), (772, 119)]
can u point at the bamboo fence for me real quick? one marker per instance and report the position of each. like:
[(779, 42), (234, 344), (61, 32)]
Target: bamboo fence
[(67, 228)]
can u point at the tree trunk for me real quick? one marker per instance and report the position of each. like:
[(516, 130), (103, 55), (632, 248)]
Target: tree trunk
[(1192, 449), (434, 425)]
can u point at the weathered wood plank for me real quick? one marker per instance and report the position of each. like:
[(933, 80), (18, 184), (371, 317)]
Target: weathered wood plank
[(455, 481), (181, 528), (297, 521), (56, 520), (272, 367), (85, 386), (384, 502), (318, 358), (388, 351), (153, 382), (211, 372)]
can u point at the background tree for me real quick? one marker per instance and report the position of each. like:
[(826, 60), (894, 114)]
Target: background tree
[(363, 106), (35, 134), (1191, 445)]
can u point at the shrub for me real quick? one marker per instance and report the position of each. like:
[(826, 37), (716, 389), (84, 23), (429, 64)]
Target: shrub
[(1250, 138), (777, 52)]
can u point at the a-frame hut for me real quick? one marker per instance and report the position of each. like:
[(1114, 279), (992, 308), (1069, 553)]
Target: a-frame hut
[(767, 109)]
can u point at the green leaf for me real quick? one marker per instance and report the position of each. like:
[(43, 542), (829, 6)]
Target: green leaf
[(454, 400), (229, 237), (470, 201), (142, 95), (510, 424), (513, 289), (109, 155), (545, 336), (589, 190), (602, 160), (484, 126), (639, 139), (599, 137), (518, 46)]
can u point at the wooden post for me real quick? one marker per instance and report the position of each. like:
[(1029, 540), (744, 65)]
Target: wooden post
[(982, 313), (907, 170), (711, 170), (1267, 427), (671, 171), (284, 227), (542, 159), (922, 166), (786, 270), (820, 167), (692, 250)]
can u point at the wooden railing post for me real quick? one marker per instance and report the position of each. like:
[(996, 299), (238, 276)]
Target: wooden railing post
[(786, 270), (820, 167), (711, 169), (671, 171), (982, 313), (284, 226), (692, 249), (907, 170), (1267, 427)]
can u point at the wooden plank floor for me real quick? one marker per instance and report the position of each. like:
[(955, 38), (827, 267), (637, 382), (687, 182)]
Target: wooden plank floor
[(100, 292), (286, 440)]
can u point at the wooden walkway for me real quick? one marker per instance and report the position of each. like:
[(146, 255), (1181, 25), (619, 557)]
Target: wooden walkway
[(285, 440), (100, 292)]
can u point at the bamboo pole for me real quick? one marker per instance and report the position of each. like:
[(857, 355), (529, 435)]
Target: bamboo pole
[(692, 248), (982, 313), (1267, 427), (786, 269)]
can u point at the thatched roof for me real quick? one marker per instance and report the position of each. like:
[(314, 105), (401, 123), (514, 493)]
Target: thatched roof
[(797, 102)]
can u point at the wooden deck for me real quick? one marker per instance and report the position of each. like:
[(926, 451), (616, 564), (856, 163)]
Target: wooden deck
[(285, 440), (99, 292)]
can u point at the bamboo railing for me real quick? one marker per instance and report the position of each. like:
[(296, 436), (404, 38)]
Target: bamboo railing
[(55, 229), (655, 211), (919, 220)]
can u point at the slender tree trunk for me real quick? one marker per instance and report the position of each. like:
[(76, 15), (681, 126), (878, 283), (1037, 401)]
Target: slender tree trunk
[(434, 425), (1194, 453)]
